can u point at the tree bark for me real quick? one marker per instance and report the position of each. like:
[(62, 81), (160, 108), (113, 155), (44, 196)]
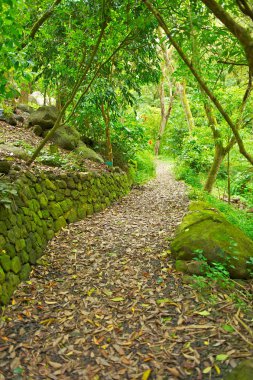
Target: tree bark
[(212, 175), (166, 69), (181, 88), (106, 117)]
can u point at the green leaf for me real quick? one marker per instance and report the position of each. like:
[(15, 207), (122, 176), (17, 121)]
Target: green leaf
[(228, 328), (117, 299), (222, 357), (203, 313), (207, 370)]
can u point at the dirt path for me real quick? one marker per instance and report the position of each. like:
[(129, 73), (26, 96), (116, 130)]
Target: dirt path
[(106, 302)]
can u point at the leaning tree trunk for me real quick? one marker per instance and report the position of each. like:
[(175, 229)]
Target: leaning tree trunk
[(212, 175)]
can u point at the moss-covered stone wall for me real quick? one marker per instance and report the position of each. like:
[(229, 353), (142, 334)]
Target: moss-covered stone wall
[(46, 202)]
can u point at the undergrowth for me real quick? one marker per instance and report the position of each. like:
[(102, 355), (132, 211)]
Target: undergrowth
[(142, 167)]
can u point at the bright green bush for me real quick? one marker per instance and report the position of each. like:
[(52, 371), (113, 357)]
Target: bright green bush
[(144, 167)]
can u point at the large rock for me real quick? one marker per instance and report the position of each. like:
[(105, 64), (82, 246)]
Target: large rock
[(88, 153), (44, 116), (205, 231), (10, 150), (244, 371), (66, 138), (25, 108)]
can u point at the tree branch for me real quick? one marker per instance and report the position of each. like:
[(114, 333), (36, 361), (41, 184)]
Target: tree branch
[(200, 80), (72, 95), (43, 18)]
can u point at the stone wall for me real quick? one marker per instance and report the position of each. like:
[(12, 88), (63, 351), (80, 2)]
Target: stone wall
[(45, 203)]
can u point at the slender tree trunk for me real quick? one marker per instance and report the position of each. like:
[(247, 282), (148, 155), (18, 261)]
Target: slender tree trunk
[(166, 69), (181, 88), (106, 117), (164, 115), (212, 175)]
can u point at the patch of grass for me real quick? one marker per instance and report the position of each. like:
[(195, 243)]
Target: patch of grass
[(238, 218), (144, 166)]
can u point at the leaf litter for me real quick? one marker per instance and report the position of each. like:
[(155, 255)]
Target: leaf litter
[(106, 302)]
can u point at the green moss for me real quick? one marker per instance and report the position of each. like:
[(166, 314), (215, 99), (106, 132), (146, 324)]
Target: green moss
[(24, 257), (34, 205), (50, 234), (60, 223), (59, 197), (61, 184), (33, 256), (71, 183), (45, 214), (66, 205), (75, 194), (244, 371), (71, 216), (55, 210), (5, 262), (37, 220), (16, 264), (2, 241), (3, 228), (38, 188), (97, 207), (13, 279), (10, 249), (50, 195), (90, 209), (49, 185), (206, 230), (11, 236), (7, 290), (19, 245), (2, 275), (81, 211), (25, 271), (43, 201)]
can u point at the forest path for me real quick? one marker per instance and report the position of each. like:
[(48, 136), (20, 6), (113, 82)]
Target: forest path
[(106, 302)]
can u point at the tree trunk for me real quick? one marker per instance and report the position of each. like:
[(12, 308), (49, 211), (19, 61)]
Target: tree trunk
[(167, 69), (212, 175), (106, 117), (164, 115), (181, 88)]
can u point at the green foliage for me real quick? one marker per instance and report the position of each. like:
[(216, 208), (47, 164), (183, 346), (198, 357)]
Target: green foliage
[(144, 167), (239, 218), (7, 192)]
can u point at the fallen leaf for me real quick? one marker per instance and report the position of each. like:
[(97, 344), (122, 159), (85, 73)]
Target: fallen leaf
[(117, 299), (222, 357), (146, 374)]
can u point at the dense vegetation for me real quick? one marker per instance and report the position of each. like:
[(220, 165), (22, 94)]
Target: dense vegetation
[(136, 77)]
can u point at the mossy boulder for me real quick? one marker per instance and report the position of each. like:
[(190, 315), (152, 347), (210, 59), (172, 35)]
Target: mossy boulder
[(15, 151), (67, 138), (244, 371), (85, 152), (44, 116), (204, 230)]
